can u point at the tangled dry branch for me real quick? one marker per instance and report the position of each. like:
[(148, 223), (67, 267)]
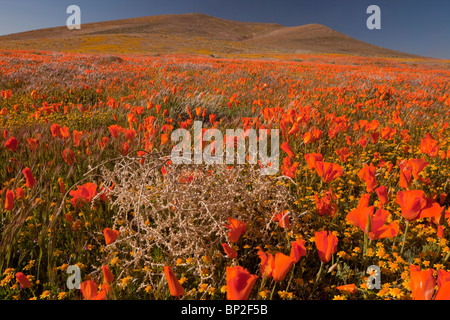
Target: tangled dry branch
[(168, 212)]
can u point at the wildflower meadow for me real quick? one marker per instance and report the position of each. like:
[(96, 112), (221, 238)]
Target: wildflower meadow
[(93, 207)]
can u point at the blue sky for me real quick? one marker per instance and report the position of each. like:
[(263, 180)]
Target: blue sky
[(419, 27)]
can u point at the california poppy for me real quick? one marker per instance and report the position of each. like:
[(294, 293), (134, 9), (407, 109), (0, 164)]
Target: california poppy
[(328, 171), (348, 288), (89, 289), (267, 264), (56, 130), (104, 292), (416, 166), (367, 175), (312, 158), (84, 194), (283, 264), (381, 192), (65, 133), (237, 228), (429, 146), (326, 205), (9, 201), (415, 205), (33, 143), (77, 137), (175, 287), (443, 292), (231, 253), (344, 153), (239, 283), (23, 280), (20, 193), (405, 177), (130, 134), (298, 250), (288, 169), (282, 218), (11, 144), (313, 135), (373, 224), (29, 179), (443, 276), (422, 283), (286, 148), (62, 186), (115, 130), (68, 156), (326, 244), (108, 277), (110, 235)]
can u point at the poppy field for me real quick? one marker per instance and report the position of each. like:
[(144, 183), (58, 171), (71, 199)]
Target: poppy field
[(362, 192)]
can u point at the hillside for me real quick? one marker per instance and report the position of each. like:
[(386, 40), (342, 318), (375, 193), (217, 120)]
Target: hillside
[(194, 33)]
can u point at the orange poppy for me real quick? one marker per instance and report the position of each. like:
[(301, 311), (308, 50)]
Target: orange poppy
[(56, 130), (429, 146), (312, 158), (298, 249), (108, 277), (328, 171), (62, 186), (110, 235), (77, 137), (416, 166), (231, 253), (283, 264), (443, 292), (84, 194), (239, 283), (20, 193), (326, 244), (348, 288), (286, 148), (405, 177), (68, 156), (288, 169), (29, 179), (65, 133), (115, 130), (89, 289), (381, 192), (376, 229), (104, 292), (175, 287), (422, 283), (267, 263), (415, 205), (23, 280), (237, 228), (326, 205), (367, 174), (344, 153), (282, 218), (9, 201), (11, 144)]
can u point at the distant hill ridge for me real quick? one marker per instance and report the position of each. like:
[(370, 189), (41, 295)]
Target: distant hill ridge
[(194, 33)]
